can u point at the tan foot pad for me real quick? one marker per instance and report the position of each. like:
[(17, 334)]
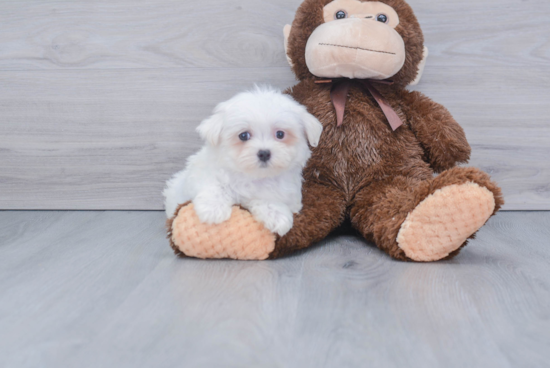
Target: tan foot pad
[(240, 237), (443, 221)]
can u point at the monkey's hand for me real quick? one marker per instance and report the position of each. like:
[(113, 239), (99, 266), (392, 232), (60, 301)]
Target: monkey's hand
[(443, 140)]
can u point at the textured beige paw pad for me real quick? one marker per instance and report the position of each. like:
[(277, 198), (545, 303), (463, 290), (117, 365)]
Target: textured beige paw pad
[(443, 221), (240, 237)]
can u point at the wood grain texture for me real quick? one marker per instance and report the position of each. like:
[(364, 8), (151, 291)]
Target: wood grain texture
[(108, 139), (99, 100), (103, 289), (143, 34), (52, 34)]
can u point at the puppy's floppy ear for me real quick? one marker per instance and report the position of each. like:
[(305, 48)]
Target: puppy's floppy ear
[(210, 129), (312, 127)]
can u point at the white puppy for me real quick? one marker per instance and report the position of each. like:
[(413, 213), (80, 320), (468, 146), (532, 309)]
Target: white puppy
[(256, 147)]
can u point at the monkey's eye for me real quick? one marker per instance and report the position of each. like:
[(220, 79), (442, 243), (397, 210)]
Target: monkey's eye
[(244, 136), (340, 14), (280, 134), (382, 18)]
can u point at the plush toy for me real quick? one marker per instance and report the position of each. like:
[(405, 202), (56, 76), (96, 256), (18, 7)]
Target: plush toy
[(380, 148)]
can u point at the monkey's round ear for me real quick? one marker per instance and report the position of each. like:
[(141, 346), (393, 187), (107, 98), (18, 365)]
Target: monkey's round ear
[(421, 66), (313, 128), (286, 33), (210, 129)]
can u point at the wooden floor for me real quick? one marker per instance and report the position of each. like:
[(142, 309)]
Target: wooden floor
[(103, 289)]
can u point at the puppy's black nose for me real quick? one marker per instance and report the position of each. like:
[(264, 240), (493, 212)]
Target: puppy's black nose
[(264, 156)]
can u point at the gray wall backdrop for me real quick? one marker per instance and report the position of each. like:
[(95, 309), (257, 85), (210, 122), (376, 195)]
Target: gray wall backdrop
[(99, 99)]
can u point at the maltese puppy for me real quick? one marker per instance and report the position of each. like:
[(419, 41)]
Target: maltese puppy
[(256, 147)]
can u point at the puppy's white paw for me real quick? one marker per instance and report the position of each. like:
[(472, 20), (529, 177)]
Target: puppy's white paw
[(280, 224), (276, 218), (212, 213)]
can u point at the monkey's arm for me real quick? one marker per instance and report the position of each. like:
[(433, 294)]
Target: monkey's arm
[(443, 140)]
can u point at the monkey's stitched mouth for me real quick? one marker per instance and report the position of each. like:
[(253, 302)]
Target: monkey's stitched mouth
[(357, 48)]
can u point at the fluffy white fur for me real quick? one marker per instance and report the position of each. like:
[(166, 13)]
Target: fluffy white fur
[(228, 171)]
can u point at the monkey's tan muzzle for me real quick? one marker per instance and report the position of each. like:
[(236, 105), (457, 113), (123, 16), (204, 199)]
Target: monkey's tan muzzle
[(355, 48)]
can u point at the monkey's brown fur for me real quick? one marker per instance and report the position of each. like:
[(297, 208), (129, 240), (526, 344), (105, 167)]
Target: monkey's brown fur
[(363, 171)]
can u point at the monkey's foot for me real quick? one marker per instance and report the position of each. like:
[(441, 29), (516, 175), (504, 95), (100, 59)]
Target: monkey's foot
[(444, 220), (240, 237)]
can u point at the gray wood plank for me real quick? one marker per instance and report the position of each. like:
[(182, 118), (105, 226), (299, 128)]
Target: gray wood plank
[(53, 34), (102, 289), (108, 139), (99, 100), (145, 34), (485, 32)]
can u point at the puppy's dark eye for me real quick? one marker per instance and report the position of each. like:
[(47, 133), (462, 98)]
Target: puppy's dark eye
[(280, 134), (382, 18), (244, 136), (340, 14)]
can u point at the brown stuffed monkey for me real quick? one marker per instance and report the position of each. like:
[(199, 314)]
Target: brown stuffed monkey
[(379, 151)]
